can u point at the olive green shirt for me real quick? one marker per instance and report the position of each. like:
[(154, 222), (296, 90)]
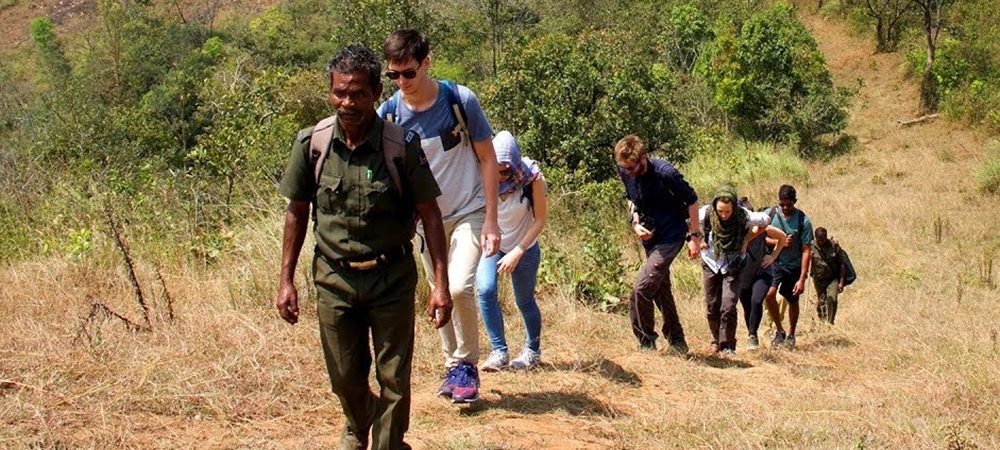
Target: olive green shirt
[(826, 261), (357, 210)]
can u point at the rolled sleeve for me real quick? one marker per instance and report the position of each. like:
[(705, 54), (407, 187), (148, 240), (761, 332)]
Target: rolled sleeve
[(297, 182)]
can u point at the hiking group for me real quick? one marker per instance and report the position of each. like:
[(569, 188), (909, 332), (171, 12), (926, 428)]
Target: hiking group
[(424, 173)]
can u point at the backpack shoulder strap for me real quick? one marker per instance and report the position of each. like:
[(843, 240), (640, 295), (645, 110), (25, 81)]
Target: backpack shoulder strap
[(394, 151), (319, 145), (390, 114), (455, 101)]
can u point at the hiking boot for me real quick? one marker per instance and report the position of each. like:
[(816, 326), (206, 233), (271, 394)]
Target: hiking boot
[(680, 348), (779, 338), (647, 346), (752, 343), (727, 352), (496, 362), (790, 341), (528, 359), (466, 386)]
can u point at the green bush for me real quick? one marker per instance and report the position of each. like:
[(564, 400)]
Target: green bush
[(770, 77), (569, 99), (988, 174)]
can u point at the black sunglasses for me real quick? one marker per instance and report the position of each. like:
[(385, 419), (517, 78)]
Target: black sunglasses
[(409, 74)]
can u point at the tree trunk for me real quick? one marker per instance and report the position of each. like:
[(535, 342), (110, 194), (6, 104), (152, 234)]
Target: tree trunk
[(928, 91)]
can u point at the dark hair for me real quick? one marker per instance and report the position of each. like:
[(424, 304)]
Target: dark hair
[(405, 44), (786, 192), (356, 59), (820, 233)]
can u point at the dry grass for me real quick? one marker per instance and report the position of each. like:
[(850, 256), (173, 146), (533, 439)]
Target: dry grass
[(912, 363)]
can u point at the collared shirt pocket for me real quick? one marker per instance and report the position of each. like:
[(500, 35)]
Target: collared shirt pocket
[(330, 197), (380, 197)]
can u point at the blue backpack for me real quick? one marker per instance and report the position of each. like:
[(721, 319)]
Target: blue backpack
[(391, 111)]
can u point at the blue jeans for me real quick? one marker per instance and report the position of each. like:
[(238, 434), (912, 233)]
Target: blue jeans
[(524, 277)]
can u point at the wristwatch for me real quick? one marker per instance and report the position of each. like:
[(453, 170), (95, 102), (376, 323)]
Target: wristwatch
[(696, 234)]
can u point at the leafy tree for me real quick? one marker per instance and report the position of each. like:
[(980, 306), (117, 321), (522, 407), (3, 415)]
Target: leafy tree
[(889, 20), (770, 77), (932, 12), (505, 18), (689, 30), (569, 99)]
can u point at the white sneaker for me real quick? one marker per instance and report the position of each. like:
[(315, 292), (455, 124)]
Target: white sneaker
[(528, 359), (496, 362)]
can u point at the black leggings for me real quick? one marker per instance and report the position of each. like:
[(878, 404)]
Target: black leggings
[(752, 298)]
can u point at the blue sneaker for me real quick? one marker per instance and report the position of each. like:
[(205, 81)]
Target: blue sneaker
[(448, 386), (466, 386)]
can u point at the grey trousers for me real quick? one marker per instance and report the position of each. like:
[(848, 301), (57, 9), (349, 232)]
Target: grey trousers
[(653, 288)]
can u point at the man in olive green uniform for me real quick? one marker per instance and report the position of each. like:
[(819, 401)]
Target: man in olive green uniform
[(829, 275), (363, 266)]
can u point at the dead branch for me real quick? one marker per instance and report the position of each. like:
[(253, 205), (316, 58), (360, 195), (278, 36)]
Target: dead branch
[(906, 123), (128, 263), (98, 311), (166, 294)]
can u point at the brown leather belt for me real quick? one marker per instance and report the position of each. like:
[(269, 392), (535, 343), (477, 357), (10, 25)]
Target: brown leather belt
[(372, 261)]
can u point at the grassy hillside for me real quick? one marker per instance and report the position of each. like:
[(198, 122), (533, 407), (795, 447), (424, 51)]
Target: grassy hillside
[(912, 363)]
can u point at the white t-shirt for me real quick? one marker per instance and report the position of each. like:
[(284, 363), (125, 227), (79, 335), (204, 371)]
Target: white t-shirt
[(708, 256), (515, 217)]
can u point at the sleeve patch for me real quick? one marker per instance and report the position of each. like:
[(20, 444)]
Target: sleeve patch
[(422, 157), (409, 136)]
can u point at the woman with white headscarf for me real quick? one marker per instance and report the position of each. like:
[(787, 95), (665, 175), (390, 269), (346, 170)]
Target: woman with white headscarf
[(521, 212)]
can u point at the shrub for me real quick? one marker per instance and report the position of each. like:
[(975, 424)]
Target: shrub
[(988, 174)]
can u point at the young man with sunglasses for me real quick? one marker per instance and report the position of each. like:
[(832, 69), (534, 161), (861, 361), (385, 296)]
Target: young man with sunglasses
[(660, 201), (459, 148)]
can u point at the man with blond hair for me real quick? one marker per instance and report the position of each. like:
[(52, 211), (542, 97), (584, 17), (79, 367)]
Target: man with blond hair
[(662, 209)]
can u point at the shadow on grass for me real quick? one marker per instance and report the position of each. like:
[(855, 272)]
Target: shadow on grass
[(825, 148), (822, 342), (573, 403), (719, 362), (600, 366)]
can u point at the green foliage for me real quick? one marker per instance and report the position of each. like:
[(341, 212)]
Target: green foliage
[(988, 174), (586, 259), (54, 60), (291, 33), (743, 164), (370, 22), (569, 99), (689, 30), (770, 77)]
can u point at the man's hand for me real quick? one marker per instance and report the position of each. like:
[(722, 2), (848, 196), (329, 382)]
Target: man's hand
[(288, 303), (489, 240), (799, 288), (510, 260), (641, 231), (439, 306), (694, 248), (840, 287)]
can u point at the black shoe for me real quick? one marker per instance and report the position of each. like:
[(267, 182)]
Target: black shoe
[(779, 338)]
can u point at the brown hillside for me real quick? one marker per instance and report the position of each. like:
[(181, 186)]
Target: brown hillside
[(914, 361)]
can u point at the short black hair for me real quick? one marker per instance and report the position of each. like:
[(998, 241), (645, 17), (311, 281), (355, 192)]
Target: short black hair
[(820, 233), (356, 59), (786, 192)]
